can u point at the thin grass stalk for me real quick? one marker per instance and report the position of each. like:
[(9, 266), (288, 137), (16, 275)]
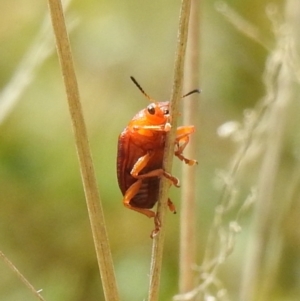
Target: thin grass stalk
[(84, 154), (158, 241), (21, 277), (188, 237)]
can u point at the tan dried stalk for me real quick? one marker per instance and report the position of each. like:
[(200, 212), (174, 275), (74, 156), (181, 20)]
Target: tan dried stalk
[(158, 241), (84, 154)]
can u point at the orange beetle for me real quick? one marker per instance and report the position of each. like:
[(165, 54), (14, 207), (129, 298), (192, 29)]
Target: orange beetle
[(140, 156)]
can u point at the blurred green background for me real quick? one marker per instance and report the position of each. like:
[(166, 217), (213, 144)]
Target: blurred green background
[(44, 226)]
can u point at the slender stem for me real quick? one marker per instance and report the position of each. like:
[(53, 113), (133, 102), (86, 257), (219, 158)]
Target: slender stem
[(158, 241), (21, 277), (188, 193), (84, 155)]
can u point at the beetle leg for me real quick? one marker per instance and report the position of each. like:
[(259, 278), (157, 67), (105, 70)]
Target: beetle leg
[(160, 128), (182, 140), (130, 193), (178, 152), (159, 173), (142, 162), (171, 206), (157, 222), (183, 131)]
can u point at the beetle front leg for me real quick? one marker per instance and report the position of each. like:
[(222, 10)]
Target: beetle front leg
[(159, 128), (182, 140)]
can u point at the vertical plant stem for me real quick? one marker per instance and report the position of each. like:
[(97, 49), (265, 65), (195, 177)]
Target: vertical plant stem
[(85, 159), (21, 277), (158, 241), (187, 256)]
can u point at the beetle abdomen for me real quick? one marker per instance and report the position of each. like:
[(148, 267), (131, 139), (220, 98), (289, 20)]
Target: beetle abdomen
[(147, 195)]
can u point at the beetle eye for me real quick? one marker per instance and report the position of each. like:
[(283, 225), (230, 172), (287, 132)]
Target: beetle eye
[(151, 110), (166, 112)]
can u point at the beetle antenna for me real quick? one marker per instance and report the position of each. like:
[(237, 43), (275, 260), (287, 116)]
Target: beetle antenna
[(141, 89), (192, 92)]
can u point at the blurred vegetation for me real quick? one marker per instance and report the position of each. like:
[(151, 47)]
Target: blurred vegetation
[(44, 226)]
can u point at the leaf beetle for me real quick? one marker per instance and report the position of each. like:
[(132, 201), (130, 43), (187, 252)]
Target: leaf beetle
[(140, 155)]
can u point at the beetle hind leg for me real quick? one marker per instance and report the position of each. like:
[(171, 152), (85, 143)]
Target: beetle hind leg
[(157, 224), (171, 206), (157, 221), (130, 193)]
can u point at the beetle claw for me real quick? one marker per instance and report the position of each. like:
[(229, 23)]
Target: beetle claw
[(192, 162), (154, 233), (157, 221), (171, 206), (157, 224)]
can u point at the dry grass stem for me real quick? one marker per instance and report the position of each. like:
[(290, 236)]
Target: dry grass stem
[(21, 277), (85, 160), (188, 235), (158, 241)]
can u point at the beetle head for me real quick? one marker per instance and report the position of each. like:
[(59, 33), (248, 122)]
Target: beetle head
[(157, 112)]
